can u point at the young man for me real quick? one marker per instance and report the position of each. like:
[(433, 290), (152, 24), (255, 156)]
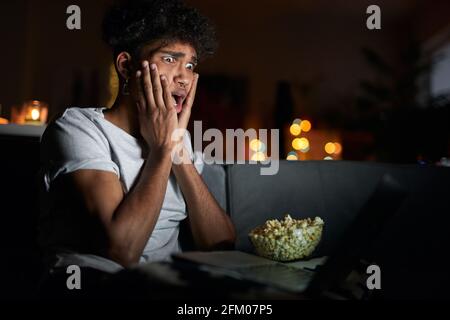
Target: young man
[(115, 192)]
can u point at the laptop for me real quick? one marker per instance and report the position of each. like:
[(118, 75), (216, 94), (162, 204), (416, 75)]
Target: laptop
[(321, 274)]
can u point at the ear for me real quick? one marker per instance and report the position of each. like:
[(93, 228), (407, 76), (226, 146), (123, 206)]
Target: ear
[(123, 64)]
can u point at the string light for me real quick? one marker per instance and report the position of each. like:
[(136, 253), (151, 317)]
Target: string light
[(292, 156), (295, 129), (259, 156), (262, 147), (338, 147), (255, 145), (305, 125), (330, 148), (304, 143), (305, 150), (296, 144)]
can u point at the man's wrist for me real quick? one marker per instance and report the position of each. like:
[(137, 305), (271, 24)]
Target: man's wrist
[(180, 155), (159, 155)]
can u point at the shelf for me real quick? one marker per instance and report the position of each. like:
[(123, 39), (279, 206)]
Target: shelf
[(22, 130)]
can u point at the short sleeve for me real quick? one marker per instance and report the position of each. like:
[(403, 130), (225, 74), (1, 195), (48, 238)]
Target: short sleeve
[(196, 156), (73, 142)]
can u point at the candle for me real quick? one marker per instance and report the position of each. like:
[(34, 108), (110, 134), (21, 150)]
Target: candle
[(35, 113)]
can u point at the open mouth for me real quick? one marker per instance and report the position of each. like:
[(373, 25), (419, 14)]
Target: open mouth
[(178, 101)]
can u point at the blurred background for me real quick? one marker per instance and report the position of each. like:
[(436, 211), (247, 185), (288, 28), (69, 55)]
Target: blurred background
[(335, 89)]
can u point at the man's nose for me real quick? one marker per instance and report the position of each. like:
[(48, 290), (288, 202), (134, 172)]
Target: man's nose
[(181, 78), (183, 83)]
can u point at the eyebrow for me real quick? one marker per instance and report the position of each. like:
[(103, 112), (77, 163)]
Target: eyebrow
[(177, 55)]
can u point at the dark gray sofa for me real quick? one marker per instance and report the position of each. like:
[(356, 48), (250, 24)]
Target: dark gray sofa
[(413, 245)]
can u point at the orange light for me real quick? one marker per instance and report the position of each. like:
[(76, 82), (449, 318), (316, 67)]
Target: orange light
[(295, 129), (259, 156), (300, 143), (305, 125), (296, 144), (304, 143), (330, 148), (338, 148), (35, 114), (255, 145), (305, 150)]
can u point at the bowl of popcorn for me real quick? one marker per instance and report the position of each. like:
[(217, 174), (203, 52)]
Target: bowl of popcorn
[(288, 239)]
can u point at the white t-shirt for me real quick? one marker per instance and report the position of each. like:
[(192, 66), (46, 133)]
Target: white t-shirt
[(83, 139)]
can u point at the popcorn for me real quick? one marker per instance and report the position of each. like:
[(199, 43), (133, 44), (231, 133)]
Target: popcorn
[(288, 239)]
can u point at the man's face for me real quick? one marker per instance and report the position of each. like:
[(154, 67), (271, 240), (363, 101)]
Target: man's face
[(177, 62)]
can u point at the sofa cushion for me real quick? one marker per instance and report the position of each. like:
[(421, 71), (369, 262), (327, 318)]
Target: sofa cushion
[(333, 190)]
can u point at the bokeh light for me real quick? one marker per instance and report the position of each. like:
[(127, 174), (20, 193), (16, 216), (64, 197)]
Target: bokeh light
[(295, 129), (305, 125), (300, 143), (296, 144), (305, 150), (258, 156), (262, 147), (35, 114), (330, 148), (303, 143), (328, 158), (255, 145), (292, 156), (338, 147), (297, 121)]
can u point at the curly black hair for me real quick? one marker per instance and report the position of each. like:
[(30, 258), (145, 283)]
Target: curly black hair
[(129, 25)]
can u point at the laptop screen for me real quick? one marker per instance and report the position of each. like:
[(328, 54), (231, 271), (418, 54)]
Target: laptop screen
[(368, 224)]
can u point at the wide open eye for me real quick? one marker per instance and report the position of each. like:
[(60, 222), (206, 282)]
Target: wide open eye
[(169, 59), (190, 66)]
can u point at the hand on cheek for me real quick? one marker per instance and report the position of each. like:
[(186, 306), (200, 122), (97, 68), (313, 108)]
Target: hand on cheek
[(185, 114), (156, 113)]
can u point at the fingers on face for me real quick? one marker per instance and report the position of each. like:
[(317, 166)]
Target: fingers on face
[(157, 87), (147, 85), (168, 101), (141, 103)]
